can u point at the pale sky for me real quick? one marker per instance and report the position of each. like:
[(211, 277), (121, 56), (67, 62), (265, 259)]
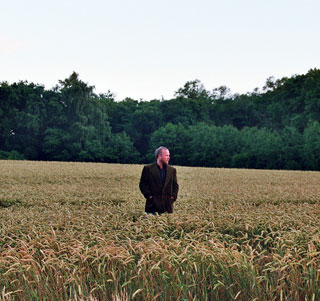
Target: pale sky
[(146, 49)]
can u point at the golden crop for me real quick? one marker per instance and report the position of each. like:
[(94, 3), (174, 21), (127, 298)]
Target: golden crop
[(77, 231)]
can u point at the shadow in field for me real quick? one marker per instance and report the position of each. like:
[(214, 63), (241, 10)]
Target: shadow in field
[(8, 203)]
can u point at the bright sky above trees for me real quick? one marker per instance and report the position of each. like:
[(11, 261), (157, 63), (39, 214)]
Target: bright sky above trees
[(148, 49)]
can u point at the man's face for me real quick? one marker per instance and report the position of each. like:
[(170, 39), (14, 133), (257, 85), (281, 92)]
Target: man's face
[(164, 157)]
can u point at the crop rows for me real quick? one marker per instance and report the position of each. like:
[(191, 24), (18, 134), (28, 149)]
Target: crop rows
[(77, 231)]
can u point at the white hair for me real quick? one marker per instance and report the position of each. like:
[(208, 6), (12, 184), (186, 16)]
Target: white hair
[(158, 151)]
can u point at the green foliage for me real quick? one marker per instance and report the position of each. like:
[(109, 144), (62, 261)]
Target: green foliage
[(176, 138), (13, 155), (276, 127), (21, 113), (292, 149), (261, 148), (121, 150), (212, 146), (144, 121), (312, 145), (192, 90)]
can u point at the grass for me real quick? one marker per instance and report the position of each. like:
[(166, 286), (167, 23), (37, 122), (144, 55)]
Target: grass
[(77, 231)]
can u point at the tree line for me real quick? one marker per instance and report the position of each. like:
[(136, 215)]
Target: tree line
[(275, 127)]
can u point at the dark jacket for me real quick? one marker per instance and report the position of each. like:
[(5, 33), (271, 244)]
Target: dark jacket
[(163, 196)]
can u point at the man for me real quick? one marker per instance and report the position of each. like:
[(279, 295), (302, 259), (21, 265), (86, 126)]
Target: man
[(158, 183)]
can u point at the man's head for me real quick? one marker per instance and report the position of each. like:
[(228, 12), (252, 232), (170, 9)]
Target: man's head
[(162, 155)]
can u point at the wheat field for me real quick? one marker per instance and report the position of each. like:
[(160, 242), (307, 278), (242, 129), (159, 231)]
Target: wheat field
[(77, 231)]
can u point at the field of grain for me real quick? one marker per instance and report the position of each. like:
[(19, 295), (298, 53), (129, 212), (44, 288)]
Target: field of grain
[(77, 231)]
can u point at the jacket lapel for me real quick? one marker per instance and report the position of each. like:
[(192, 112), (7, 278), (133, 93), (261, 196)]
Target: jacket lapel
[(155, 172), (168, 176)]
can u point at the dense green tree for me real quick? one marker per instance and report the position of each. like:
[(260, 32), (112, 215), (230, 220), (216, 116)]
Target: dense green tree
[(275, 127), (212, 146), (120, 149), (185, 111), (176, 138), (291, 101), (22, 108), (120, 114), (311, 96), (144, 121), (192, 90), (292, 148), (312, 146), (260, 148), (81, 132)]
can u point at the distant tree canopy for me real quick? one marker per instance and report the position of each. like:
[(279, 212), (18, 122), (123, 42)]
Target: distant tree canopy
[(276, 127)]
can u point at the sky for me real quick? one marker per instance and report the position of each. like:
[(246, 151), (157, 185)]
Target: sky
[(146, 49)]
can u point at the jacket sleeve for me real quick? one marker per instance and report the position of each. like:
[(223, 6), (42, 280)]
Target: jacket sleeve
[(144, 183), (175, 185)]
